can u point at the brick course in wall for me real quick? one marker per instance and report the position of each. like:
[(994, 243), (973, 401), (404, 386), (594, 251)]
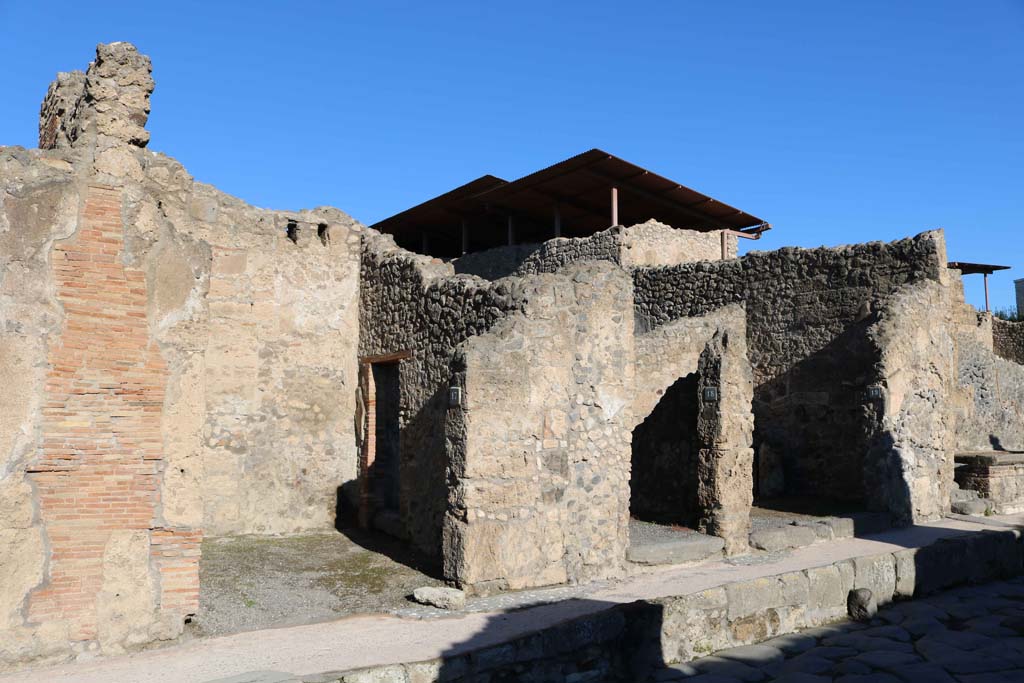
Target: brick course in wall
[(101, 459)]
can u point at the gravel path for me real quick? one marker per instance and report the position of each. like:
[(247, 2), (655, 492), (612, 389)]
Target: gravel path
[(967, 635)]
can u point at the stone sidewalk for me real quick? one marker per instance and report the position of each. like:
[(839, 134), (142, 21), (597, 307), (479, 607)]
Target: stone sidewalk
[(965, 635), (373, 640)]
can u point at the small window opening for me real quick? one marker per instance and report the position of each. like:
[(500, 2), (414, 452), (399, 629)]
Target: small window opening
[(293, 231), (323, 233)]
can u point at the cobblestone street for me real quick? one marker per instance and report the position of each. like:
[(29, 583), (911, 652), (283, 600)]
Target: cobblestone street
[(969, 635)]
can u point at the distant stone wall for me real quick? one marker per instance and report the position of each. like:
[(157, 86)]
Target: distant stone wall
[(646, 244), (807, 315), (995, 417), (1008, 340), (412, 303)]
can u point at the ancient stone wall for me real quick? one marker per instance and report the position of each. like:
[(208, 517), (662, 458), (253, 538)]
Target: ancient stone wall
[(994, 419), (909, 465), (807, 314), (1008, 340), (646, 244), (541, 490), (412, 303), (718, 480), (184, 363)]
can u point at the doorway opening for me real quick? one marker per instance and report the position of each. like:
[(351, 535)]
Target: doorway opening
[(665, 514)]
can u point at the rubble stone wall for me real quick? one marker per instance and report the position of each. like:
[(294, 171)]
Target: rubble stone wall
[(547, 444), (1008, 340), (994, 419), (807, 315), (721, 485), (414, 303), (647, 244), (909, 466)]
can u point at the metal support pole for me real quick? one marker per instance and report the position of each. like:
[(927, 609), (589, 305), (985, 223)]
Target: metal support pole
[(558, 222), (511, 231), (615, 206), (985, 275), (425, 243), (725, 245), (465, 237)]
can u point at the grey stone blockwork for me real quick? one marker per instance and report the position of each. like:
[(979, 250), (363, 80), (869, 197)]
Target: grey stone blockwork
[(646, 244), (1008, 340), (807, 314)]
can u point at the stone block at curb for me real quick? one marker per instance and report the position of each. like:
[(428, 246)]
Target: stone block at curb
[(783, 538), (878, 574), (689, 549), (440, 597)]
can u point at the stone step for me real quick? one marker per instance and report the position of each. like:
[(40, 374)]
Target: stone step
[(690, 548), (971, 507), (959, 495)]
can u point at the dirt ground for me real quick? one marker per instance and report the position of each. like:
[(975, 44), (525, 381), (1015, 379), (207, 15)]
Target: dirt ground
[(256, 582)]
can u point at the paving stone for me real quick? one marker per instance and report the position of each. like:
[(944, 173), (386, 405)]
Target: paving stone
[(797, 677), (676, 672), (893, 632), (877, 677), (887, 659), (809, 663), (1014, 676), (851, 666), (753, 655), (867, 644), (919, 627), (924, 672), (793, 643), (729, 667)]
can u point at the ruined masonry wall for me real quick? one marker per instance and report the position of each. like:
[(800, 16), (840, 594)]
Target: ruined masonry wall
[(994, 419), (97, 474), (646, 244), (909, 466), (721, 488), (1008, 340), (807, 312), (412, 303), (547, 437), (181, 365)]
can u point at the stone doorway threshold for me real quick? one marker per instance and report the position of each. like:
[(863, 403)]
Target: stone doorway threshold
[(295, 653), (661, 544)]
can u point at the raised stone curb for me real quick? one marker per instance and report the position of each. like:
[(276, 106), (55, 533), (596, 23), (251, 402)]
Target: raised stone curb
[(629, 640)]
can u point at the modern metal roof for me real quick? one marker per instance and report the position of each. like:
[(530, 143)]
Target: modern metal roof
[(975, 268), (577, 188)]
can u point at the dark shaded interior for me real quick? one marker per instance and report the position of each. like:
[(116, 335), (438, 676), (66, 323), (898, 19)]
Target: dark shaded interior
[(663, 485), (385, 474)]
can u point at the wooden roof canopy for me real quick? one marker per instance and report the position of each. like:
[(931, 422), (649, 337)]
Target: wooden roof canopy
[(570, 199)]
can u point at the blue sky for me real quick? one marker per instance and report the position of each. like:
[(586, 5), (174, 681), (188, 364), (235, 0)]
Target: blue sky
[(837, 122)]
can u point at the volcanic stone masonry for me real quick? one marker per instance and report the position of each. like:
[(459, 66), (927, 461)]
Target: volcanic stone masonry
[(182, 366)]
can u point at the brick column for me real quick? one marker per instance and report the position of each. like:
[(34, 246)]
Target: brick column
[(101, 460)]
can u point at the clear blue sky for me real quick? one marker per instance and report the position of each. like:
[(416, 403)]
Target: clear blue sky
[(837, 122)]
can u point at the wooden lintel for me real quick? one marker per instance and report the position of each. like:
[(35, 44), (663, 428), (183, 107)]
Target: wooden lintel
[(386, 357)]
